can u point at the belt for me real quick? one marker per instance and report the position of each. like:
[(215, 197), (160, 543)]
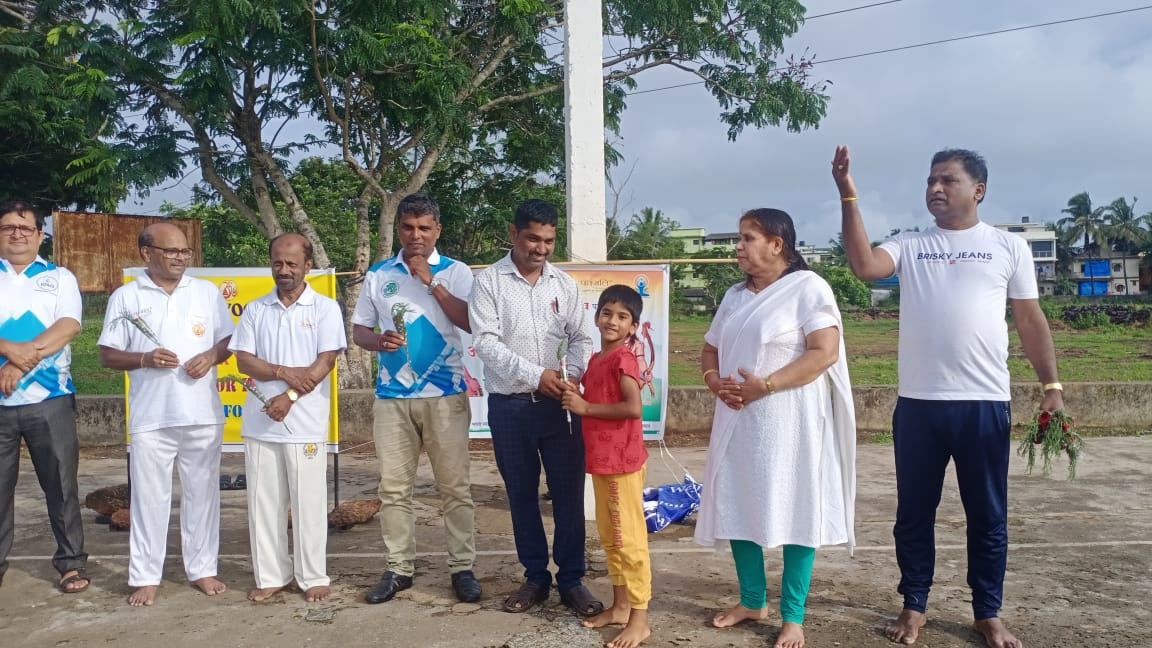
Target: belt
[(534, 396)]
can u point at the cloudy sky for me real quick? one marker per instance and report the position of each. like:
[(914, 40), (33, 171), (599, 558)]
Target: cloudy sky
[(1054, 111)]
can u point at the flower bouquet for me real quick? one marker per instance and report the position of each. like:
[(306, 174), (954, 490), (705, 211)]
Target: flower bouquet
[(250, 385), (1053, 433), (141, 325)]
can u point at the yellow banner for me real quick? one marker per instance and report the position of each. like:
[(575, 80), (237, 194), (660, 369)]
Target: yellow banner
[(240, 286)]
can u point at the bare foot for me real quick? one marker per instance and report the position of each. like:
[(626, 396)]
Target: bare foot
[(791, 636), (610, 616), (145, 595), (260, 594), (906, 628), (633, 634), (317, 593), (210, 585), (732, 616), (995, 634)]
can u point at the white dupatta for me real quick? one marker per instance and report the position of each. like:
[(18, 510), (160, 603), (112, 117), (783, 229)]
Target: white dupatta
[(783, 306)]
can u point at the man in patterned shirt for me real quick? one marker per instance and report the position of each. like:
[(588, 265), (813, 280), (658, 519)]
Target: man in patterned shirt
[(418, 300), (526, 315), (39, 316)]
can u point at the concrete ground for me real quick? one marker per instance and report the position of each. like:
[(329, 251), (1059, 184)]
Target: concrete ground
[(1079, 572)]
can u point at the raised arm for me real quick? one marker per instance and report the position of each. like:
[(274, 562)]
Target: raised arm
[(867, 263)]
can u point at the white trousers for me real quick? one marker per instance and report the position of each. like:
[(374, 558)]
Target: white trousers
[(195, 451), (282, 476)]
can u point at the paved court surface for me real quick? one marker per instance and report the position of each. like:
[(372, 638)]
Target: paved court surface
[(1080, 572)]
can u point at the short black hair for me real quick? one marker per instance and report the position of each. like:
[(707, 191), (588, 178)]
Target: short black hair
[(21, 206), (535, 210), (626, 296), (418, 204), (974, 164)]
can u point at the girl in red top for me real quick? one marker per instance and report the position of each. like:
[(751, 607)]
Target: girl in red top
[(615, 457)]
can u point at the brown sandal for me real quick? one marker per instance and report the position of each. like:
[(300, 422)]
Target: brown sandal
[(526, 597), (66, 582)]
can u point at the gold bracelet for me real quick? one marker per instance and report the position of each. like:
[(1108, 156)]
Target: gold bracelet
[(142, 356), (710, 371), (279, 370), (768, 386), (848, 199), (1053, 386)]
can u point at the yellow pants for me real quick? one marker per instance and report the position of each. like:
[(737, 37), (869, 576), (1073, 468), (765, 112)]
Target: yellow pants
[(623, 533)]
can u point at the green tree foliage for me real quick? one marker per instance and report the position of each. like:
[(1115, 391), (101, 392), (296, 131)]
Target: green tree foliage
[(54, 110), (648, 235), (850, 292), (718, 276)]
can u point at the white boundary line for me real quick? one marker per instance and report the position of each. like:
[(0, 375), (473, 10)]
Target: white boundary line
[(663, 550)]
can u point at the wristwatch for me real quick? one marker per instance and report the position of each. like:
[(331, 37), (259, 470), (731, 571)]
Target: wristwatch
[(432, 285), (293, 395)]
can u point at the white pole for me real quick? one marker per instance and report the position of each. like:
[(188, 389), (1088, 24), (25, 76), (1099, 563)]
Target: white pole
[(584, 129)]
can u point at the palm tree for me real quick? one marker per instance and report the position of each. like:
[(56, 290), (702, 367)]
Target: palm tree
[(1083, 220), (650, 235), (1125, 231)]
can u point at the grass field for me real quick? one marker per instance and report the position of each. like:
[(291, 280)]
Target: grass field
[(1092, 355)]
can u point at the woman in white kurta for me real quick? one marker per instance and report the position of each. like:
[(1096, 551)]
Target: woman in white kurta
[(782, 452)]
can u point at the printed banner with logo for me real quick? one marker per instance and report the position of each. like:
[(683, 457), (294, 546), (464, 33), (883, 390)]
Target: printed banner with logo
[(650, 344), (240, 286)]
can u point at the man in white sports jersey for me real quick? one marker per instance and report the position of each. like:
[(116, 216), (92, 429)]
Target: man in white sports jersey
[(421, 394), (956, 279), (175, 416), (287, 342), (39, 316)]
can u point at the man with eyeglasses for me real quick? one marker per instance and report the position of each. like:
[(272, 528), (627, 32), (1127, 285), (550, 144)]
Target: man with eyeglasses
[(175, 414), (39, 316)]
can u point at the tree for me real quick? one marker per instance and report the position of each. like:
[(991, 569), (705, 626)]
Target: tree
[(1124, 230), (648, 235), (718, 276), (850, 292), (402, 85), (837, 255), (1084, 220)]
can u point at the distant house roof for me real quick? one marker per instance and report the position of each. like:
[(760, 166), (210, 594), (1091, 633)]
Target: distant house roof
[(722, 236)]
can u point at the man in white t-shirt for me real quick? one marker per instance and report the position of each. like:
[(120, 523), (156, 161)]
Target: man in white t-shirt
[(175, 415), (956, 279), (39, 315), (421, 395), (287, 343)]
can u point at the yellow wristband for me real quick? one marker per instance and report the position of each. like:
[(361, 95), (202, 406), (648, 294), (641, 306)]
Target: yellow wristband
[(848, 199), (710, 371), (1053, 386)]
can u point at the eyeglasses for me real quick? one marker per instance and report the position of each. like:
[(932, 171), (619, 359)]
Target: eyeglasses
[(173, 253), (22, 230)]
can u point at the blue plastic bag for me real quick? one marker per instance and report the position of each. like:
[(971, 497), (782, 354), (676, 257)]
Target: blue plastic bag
[(670, 503)]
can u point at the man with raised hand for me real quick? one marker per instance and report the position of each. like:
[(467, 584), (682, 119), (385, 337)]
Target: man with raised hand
[(956, 279)]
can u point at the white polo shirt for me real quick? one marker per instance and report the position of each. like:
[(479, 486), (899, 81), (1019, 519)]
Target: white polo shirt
[(291, 336), (192, 320), (432, 362), (30, 302)]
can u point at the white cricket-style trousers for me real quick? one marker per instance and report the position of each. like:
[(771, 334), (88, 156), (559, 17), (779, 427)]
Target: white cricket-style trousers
[(195, 450), (283, 475)]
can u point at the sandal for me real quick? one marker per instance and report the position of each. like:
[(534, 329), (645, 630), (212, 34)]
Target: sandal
[(67, 582), (526, 597), (582, 601), (240, 483), (225, 482)]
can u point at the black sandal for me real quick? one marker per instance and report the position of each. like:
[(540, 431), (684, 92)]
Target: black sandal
[(526, 597), (582, 601)]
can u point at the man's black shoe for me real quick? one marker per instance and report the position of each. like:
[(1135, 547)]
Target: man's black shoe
[(467, 587), (389, 584)]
